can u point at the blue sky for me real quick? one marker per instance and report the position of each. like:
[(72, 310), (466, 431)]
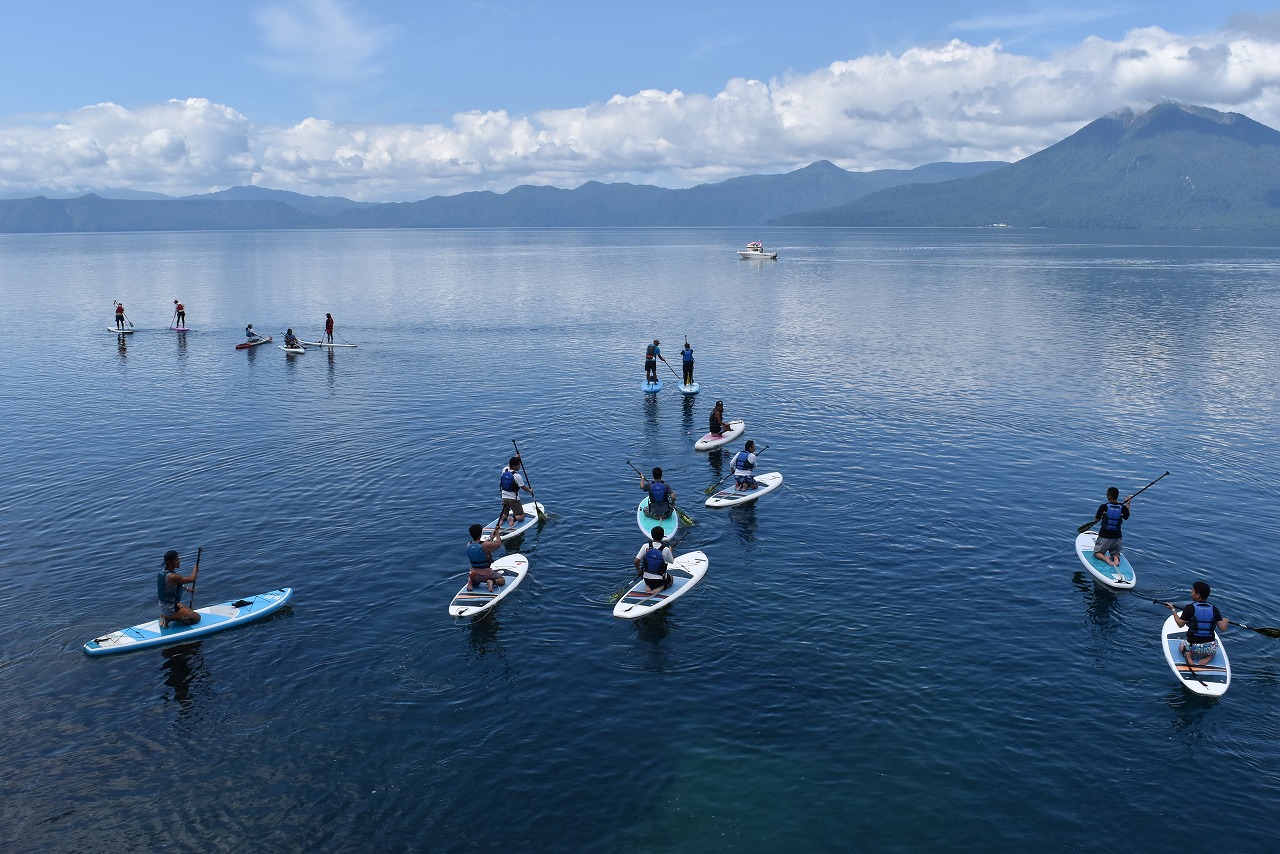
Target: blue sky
[(396, 100)]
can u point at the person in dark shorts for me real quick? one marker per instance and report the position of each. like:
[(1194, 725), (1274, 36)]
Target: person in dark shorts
[(717, 419), (1112, 514), (686, 359), (652, 561), (480, 554), (179, 314), (662, 498), (1199, 619), (170, 585), (652, 354)]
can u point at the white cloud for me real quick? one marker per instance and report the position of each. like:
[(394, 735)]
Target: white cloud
[(955, 101), (320, 41)]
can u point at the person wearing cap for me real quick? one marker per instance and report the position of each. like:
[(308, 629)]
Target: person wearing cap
[(686, 356), (169, 587), (717, 419), (290, 340), (179, 313), (480, 554), (652, 561), (652, 354)]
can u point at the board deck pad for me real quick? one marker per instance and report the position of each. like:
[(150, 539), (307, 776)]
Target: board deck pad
[(1121, 577), (213, 618), (531, 509), (686, 571), (732, 496), (1210, 680), (472, 603)]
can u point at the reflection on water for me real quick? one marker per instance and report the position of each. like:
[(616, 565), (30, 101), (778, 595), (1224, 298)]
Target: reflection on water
[(187, 675)]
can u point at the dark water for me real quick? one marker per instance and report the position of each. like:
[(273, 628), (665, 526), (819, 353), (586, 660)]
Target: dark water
[(897, 650)]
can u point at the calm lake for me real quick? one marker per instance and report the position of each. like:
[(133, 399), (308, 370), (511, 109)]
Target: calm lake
[(895, 651)]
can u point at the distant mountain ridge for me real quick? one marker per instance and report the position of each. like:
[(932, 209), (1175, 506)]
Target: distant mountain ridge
[(749, 200), (1174, 166)]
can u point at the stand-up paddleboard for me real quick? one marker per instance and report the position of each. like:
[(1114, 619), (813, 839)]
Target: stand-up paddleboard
[(531, 509), (732, 496), (1210, 680), (246, 345), (651, 388), (686, 571), (181, 329), (646, 522), (711, 441), (1121, 577), (119, 331), (691, 388), (214, 618), (474, 602), (324, 344), (293, 351)]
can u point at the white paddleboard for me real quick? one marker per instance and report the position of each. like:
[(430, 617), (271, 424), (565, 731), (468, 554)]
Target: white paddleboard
[(1121, 577), (686, 571), (1210, 680), (323, 344), (651, 388), (669, 525), (731, 496), (711, 441), (475, 602), (293, 350), (531, 509), (119, 331), (691, 388), (213, 618)]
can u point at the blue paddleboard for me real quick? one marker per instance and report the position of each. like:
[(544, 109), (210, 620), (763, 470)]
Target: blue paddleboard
[(646, 522), (213, 618), (651, 388)]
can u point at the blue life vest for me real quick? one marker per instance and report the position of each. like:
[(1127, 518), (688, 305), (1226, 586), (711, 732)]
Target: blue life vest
[(1112, 518), (687, 353), (479, 558), (742, 462), (509, 481), (654, 564), (169, 594), (1201, 624), (649, 351), (658, 492)]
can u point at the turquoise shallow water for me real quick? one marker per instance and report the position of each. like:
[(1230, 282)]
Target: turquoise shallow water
[(897, 650)]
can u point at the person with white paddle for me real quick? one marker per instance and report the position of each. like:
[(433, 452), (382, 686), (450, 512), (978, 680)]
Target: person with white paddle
[(652, 561), (480, 554), (1112, 514), (170, 585), (744, 463), (1199, 619), (662, 498), (511, 482)]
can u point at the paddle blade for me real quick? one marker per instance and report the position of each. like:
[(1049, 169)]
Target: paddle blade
[(1266, 632), (1086, 526)]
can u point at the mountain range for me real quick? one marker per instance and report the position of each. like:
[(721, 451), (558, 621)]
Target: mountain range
[(1174, 166)]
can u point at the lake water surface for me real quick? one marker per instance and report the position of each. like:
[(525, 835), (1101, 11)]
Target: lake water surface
[(897, 650)]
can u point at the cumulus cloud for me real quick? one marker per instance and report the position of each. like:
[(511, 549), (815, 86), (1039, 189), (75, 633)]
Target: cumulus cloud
[(954, 101)]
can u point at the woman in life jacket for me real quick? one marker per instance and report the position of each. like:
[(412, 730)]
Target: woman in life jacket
[(744, 463), (1200, 619), (480, 555), (652, 561), (662, 498)]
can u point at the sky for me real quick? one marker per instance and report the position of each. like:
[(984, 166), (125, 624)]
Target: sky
[(397, 100)]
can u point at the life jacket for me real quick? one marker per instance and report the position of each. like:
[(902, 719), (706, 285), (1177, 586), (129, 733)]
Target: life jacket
[(658, 492), (508, 481), (1113, 517), (168, 594), (655, 566), (687, 355), (742, 462), (180, 308), (120, 310), (648, 352), (478, 557), (1201, 624), (328, 325)]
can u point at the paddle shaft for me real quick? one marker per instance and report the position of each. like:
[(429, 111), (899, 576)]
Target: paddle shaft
[(194, 573), (529, 481), (1090, 524)]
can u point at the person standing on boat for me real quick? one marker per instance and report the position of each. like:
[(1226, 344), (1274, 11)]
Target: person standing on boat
[(169, 586), (119, 315), (744, 463), (328, 327), (717, 419), (1199, 619), (511, 482), (179, 314), (686, 356), (662, 498), (1112, 515), (480, 554), (652, 354), (652, 561)]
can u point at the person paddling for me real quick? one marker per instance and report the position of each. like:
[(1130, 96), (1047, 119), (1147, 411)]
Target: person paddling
[(119, 315), (744, 463), (662, 498), (686, 357), (511, 482), (169, 587), (328, 327), (652, 561), (1112, 515), (652, 354), (290, 340), (179, 314), (1200, 619), (250, 333), (480, 554)]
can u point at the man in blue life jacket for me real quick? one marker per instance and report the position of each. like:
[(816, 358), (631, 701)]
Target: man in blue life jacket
[(510, 483), (480, 555), (169, 587), (1200, 619), (1112, 515), (686, 357), (652, 354), (662, 498), (652, 561), (744, 464)]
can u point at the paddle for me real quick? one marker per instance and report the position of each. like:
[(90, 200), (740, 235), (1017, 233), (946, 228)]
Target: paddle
[(126, 317), (1087, 525), (1271, 633), (684, 518), (673, 371), (712, 488), (542, 517), (194, 573)]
